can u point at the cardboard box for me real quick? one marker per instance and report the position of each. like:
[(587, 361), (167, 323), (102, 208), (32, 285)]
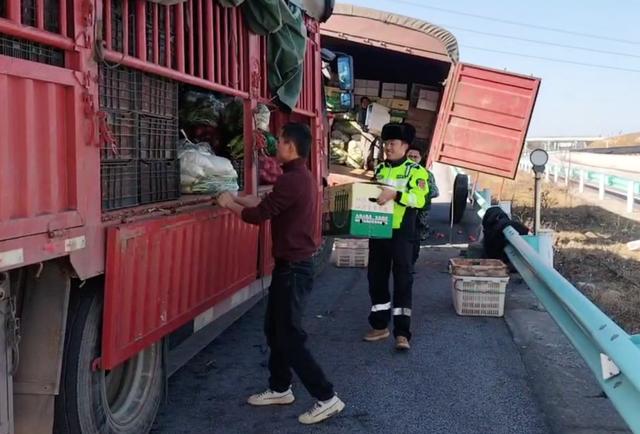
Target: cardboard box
[(400, 104), (390, 94), (401, 88), (423, 116), (385, 102), (389, 87), (424, 104), (423, 121), (429, 95), (352, 211), (360, 83), (372, 92), (373, 83)]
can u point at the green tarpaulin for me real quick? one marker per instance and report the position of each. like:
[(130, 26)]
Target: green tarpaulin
[(283, 26)]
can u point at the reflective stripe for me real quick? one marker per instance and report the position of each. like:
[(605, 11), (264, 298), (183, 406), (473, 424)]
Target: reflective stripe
[(412, 200), (402, 311), (394, 182), (379, 307)]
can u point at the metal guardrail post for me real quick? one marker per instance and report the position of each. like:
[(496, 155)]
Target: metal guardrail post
[(601, 186), (630, 195)]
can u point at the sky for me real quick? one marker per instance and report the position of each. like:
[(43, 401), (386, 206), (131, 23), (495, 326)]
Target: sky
[(574, 99)]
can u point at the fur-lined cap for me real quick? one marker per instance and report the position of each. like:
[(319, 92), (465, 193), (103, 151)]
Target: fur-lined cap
[(394, 130)]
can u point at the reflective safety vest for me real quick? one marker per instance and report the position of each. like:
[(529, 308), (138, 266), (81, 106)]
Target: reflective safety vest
[(410, 181)]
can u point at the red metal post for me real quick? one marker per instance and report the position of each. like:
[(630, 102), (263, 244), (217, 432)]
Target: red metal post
[(63, 17), (141, 28), (234, 49), (218, 32), (242, 51), (209, 49), (14, 10), (108, 25), (191, 27), (40, 14), (125, 26), (179, 10), (225, 66), (200, 40), (167, 36), (156, 34)]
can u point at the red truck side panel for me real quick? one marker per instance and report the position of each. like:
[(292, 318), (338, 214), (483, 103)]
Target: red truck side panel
[(266, 258), (162, 273), (37, 187), (484, 120)]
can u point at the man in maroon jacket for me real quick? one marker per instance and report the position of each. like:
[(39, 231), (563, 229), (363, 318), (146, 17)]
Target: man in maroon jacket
[(292, 209)]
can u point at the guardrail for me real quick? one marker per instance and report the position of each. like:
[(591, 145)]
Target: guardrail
[(612, 355), (599, 179)]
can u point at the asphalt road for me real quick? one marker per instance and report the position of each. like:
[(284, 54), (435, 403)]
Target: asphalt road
[(462, 375)]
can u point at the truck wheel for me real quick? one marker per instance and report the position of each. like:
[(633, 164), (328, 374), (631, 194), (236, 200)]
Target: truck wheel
[(124, 400), (459, 198), (322, 256)]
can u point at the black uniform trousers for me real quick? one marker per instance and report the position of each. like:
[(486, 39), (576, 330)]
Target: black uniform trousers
[(290, 287), (395, 256)]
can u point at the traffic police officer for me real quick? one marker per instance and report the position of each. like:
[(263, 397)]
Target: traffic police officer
[(406, 184)]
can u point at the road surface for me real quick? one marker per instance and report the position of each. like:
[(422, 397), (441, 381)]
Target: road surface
[(462, 375)]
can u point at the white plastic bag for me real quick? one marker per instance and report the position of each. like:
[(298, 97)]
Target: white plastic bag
[(203, 172)]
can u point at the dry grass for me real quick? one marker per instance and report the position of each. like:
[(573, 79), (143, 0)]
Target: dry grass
[(590, 245), (612, 142)]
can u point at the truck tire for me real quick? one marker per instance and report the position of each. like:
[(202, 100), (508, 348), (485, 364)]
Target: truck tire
[(322, 256), (459, 198), (124, 400)]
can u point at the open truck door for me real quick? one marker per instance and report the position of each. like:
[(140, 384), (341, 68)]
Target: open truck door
[(484, 119)]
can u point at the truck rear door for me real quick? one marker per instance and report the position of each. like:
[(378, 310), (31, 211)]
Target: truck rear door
[(483, 120)]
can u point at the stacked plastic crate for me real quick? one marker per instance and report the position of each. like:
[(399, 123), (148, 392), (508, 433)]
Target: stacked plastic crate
[(351, 253), (158, 138), (140, 163)]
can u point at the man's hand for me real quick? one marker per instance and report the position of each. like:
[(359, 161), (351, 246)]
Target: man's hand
[(386, 195), (248, 201), (225, 199)]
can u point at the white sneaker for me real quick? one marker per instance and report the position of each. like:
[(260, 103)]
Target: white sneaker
[(322, 410), (269, 397)]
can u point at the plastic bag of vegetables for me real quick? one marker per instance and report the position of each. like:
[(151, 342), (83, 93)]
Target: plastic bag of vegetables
[(200, 162), (203, 172)]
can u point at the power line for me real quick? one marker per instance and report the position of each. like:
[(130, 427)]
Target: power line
[(517, 23), (536, 41), (551, 59)]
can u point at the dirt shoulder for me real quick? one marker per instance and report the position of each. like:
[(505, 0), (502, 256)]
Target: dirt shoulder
[(590, 244)]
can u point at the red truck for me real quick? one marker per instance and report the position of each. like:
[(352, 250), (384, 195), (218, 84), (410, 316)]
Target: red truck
[(470, 116), (110, 278)]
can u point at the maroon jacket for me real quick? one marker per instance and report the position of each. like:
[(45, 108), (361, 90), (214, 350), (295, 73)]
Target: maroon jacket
[(291, 207)]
